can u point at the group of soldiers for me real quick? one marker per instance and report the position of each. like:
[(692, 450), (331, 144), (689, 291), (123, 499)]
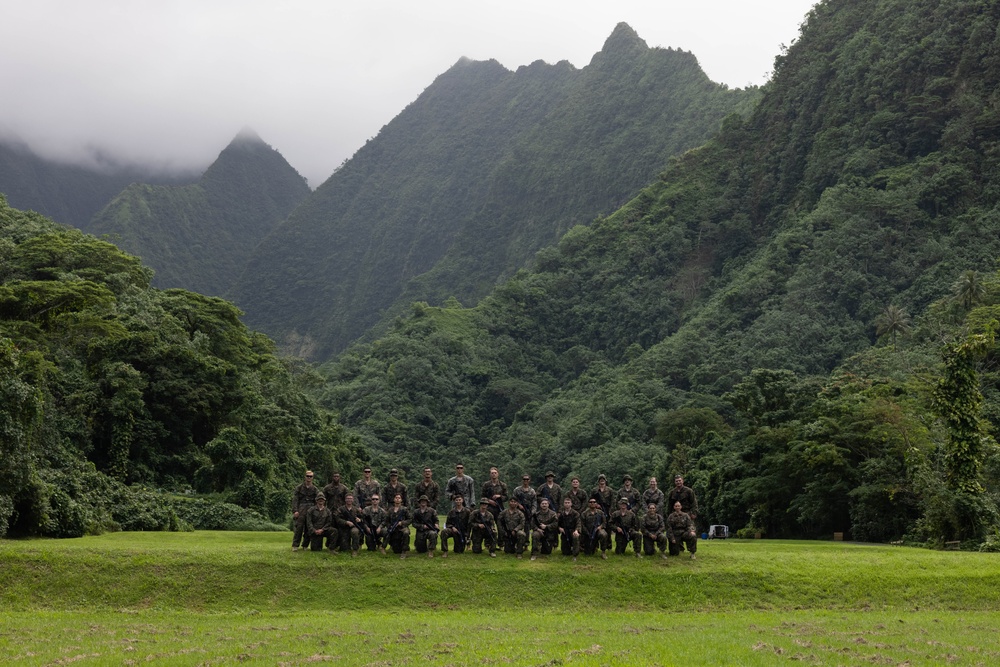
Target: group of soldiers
[(573, 520)]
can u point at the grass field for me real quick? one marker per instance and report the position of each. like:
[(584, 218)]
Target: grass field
[(245, 598)]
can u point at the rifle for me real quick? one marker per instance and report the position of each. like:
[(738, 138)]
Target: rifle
[(593, 532)]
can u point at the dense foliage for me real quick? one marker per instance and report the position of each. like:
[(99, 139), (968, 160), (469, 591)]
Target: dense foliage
[(199, 236), (747, 319), (110, 388), (459, 190)]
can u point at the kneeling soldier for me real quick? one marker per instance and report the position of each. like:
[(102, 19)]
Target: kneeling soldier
[(457, 526), (374, 516), (569, 529), (594, 531), (397, 527), (351, 521), (425, 520), (319, 525), (625, 526), (484, 527), (513, 526), (681, 530), (654, 531), (545, 529)]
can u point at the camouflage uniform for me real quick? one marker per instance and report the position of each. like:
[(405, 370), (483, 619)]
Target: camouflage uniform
[(543, 539), (605, 499), (363, 492), (303, 497), (320, 519), (490, 490), (630, 496), (569, 522), (627, 523), (654, 533), (457, 526), (685, 496), (374, 518), (681, 530), (425, 522), (487, 532), (579, 498), (335, 493), (429, 489), (593, 531), (527, 499), (512, 526), (656, 497), (350, 536), (465, 487), (396, 528), (553, 493), (390, 491)]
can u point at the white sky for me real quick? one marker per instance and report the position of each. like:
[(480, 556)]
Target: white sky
[(171, 82)]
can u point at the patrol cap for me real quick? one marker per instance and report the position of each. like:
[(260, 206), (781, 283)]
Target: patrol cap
[(393, 472), (320, 496), (622, 501), (549, 474), (423, 499), (627, 478), (482, 501), (602, 476)]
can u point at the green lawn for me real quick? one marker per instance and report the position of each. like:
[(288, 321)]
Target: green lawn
[(245, 598)]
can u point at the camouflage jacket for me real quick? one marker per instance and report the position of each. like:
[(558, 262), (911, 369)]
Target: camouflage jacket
[(654, 496), (652, 525), (680, 522), (390, 491), (549, 518), (512, 521), (317, 519), (363, 492), (374, 517), (553, 493), (591, 519), (631, 496), (425, 517), (429, 489), (569, 521), (579, 497), (626, 520), (684, 495), (490, 490), (304, 497)]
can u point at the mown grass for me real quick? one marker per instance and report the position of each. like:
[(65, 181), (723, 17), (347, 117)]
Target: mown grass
[(245, 598)]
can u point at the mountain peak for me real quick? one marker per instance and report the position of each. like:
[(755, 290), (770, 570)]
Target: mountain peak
[(247, 136), (624, 40)]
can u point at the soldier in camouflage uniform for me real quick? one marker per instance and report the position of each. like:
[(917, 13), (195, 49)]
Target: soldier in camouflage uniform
[(625, 527), (366, 487), (425, 521), (463, 484), (527, 500), (512, 527), (681, 530), (319, 525), (396, 527), (604, 495), (569, 529), (303, 497), (551, 491), (484, 528), (374, 516), (577, 495), (654, 495), (654, 531), (630, 494), (683, 495), (350, 521), (395, 486), (495, 492), (457, 526), (335, 492), (594, 533), (544, 530), (428, 487)]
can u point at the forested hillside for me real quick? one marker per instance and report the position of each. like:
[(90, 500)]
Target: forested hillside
[(798, 314), (459, 190), (112, 392), (200, 236), (68, 193)]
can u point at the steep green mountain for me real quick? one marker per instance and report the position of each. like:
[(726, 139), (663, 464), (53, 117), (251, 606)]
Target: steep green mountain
[(482, 170), (111, 390), (723, 322), (68, 193), (199, 236)]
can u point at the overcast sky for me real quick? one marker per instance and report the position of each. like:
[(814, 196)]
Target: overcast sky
[(171, 82)]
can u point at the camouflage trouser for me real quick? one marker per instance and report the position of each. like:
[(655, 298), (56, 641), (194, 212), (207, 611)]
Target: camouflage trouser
[(426, 539), (649, 544), (480, 535), (570, 544), (543, 541), (374, 541), (600, 539), (460, 540), (350, 538), (316, 541), (622, 540), (399, 540), (299, 524), (515, 542), (679, 538)]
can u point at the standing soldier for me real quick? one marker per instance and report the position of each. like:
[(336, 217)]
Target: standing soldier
[(495, 492), (527, 500), (513, 528), (366, 487), (335, 492), (655, 496), (319, 525), (397, 527), (629, 493), (681, 530), (577, 495), (463, 484), (544, 529), (374, 516), (457, 525), (484, 527), (351, 521), (683, 495), (604, 495), (625, 526), (654, 531), (395, 486), (425, 521), (428, 487), (569, 529), (303, 497), (551, 491), (594, 533)]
